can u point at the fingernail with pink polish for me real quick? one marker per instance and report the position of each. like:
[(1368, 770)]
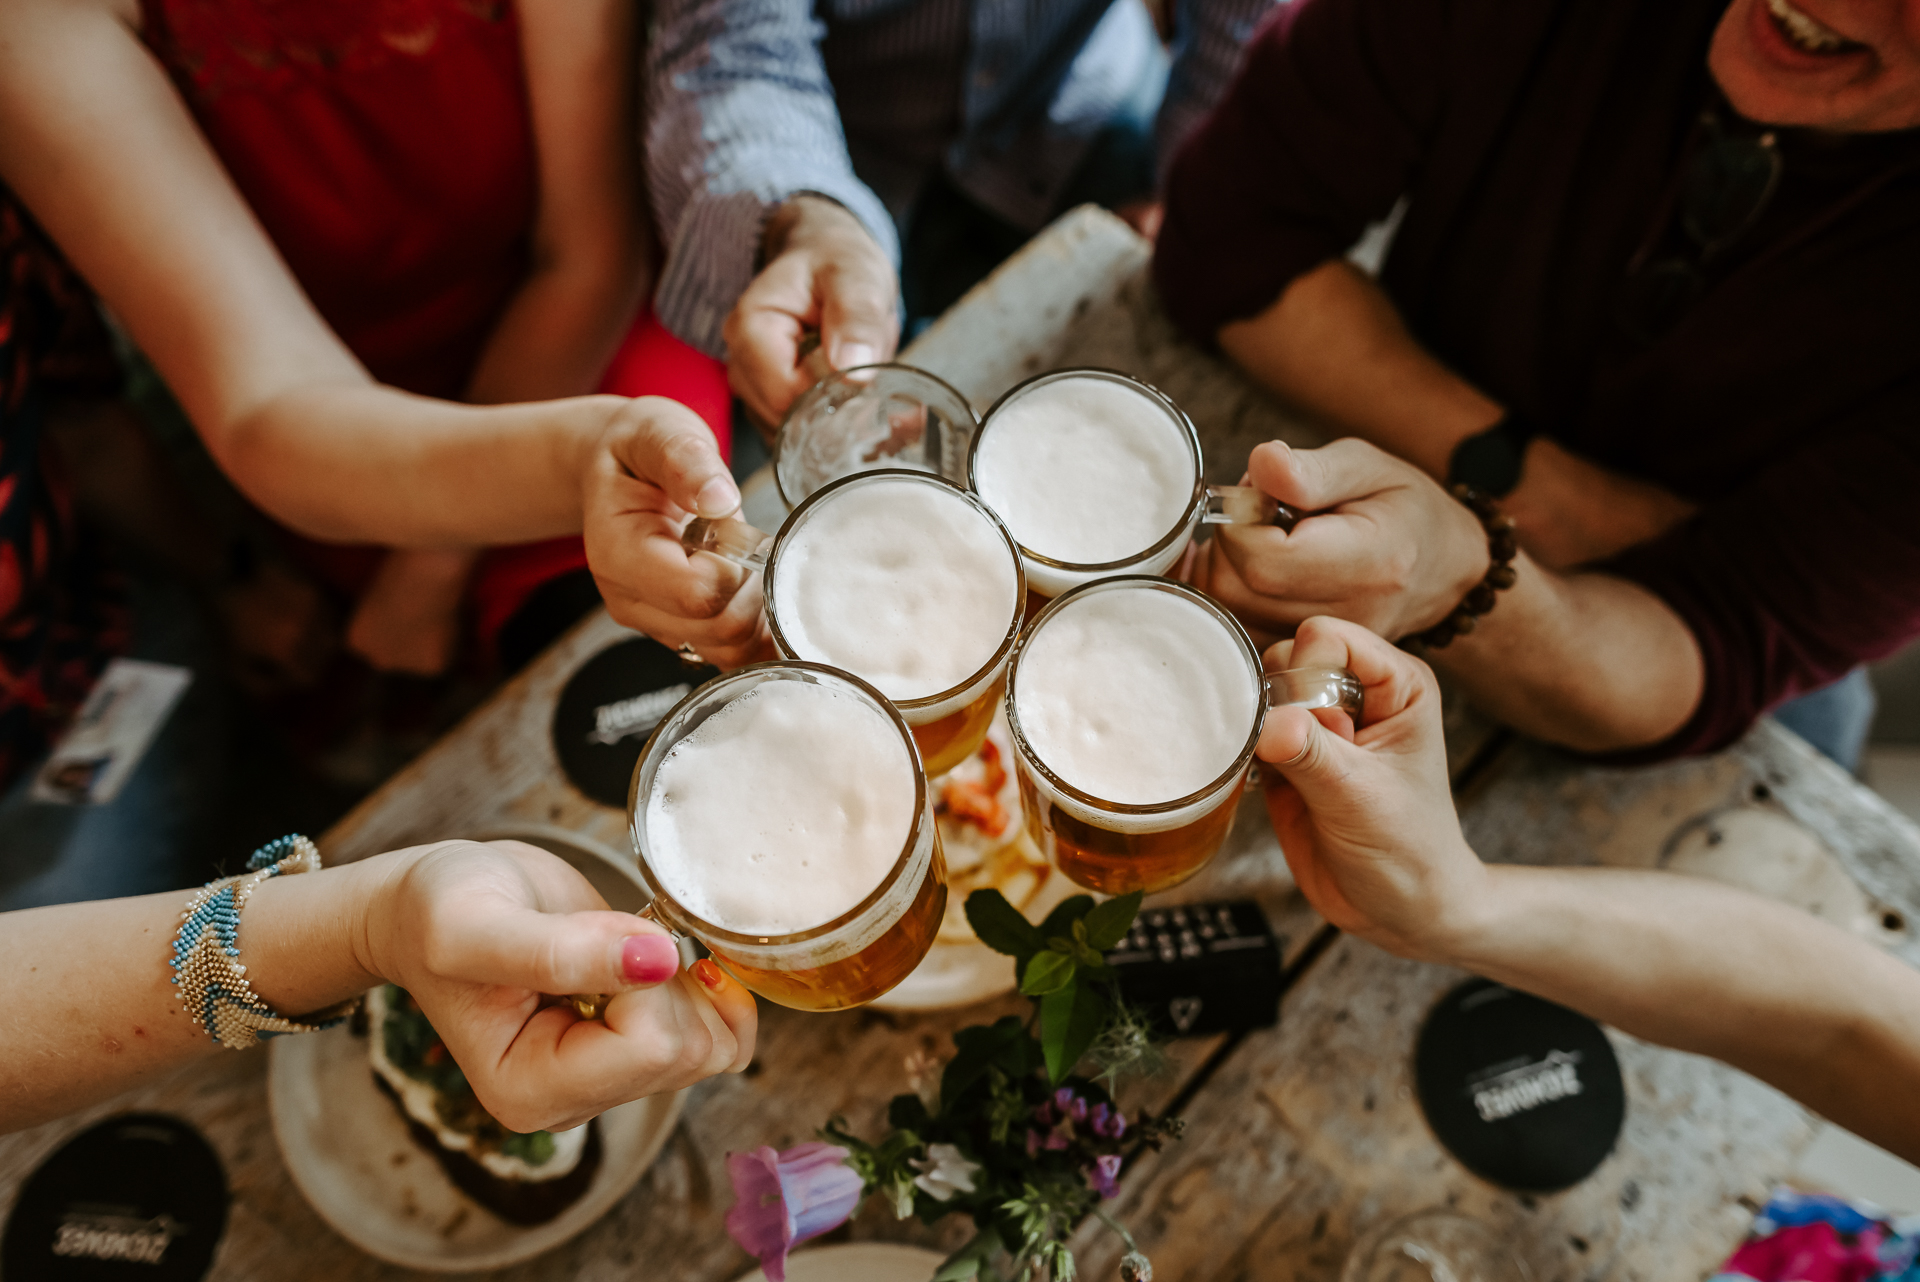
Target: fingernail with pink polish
[(648, 959)]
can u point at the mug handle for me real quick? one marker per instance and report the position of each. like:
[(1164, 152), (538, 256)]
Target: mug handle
[(1317, 688), (1246, 505), (729, 537)]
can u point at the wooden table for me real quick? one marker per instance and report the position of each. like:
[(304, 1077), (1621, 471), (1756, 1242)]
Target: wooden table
[(1300, 1137)]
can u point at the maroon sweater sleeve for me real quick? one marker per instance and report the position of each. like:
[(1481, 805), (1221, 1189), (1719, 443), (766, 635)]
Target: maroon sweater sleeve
[(1316, 137), (1792, 581)]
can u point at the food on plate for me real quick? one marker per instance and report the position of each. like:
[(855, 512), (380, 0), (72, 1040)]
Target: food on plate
[(522, 1178)]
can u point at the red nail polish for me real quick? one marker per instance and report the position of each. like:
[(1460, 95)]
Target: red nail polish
[(709, 973), (648, 959)]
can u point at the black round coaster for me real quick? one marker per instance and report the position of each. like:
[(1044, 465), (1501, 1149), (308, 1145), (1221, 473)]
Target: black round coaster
[(611, 705), (1525, 1093), (138, 1196)]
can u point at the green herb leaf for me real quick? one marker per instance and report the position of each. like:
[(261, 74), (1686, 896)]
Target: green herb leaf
[(1107, 924), (1065, 913), (1070, 1018), (1045, 973), (1000, 925), (1005, 1042)]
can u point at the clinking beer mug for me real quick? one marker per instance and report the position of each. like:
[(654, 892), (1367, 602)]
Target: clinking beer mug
[(1135, 704), (1096, 474), (781, 817), (869, 417), (903, 579)]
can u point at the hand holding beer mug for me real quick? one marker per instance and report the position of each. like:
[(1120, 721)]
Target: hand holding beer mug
[(781, 818), (1097, 474), (1135, 705), (873, 416), (904, 580)]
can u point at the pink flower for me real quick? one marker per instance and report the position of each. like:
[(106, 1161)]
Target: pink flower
[(782, 1199), (1101, 1177)]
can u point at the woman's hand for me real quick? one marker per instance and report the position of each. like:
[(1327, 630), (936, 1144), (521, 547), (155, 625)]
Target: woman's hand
[(479, 932), (1384, 546), (1367, 823), (655, 469)]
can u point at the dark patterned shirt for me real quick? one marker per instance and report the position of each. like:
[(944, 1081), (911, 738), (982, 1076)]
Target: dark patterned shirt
[(62, 613)]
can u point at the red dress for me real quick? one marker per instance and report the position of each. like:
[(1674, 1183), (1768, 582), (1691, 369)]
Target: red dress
[(387, 149)]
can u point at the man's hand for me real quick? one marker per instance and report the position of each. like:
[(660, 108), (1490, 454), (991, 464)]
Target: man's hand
[(825, 273), (1384, 546), (479, 932), (656, 468), (1368, 824)]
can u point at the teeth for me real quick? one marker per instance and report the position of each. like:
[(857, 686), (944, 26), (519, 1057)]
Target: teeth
[(1804, 31)]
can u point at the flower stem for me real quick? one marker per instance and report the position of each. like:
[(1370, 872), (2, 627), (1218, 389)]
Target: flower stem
[(1117, 1227)]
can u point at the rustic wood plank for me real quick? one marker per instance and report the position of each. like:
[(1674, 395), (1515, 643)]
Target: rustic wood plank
[(1335, 1142), (1309, 1135)]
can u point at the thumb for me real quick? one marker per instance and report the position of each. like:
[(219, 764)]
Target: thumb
[(1318, 479), (673, 448), (858, 325), (1308, 755), (559, 953)]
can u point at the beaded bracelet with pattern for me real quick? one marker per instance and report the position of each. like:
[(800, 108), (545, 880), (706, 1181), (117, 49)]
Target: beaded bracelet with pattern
[(1499, 577), (206, 954)]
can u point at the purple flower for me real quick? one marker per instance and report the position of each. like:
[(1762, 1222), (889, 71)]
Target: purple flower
[(1070, 1105), (1055, 1142), (1105, 1168), (782, 1199), (1108, 1122), (1043, 1112)]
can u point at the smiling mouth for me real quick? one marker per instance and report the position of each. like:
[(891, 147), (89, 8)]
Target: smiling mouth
[(1807, 35)]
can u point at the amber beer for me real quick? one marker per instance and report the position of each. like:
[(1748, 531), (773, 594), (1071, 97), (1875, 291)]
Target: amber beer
[(782, 818), (1135, 704), (911, 584)]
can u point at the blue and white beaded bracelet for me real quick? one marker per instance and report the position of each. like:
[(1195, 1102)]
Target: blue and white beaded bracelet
[(206, 954)]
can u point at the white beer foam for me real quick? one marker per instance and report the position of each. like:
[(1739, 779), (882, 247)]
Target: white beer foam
[(1085, 470), (781, 811), (1135, 695), (903, 583)]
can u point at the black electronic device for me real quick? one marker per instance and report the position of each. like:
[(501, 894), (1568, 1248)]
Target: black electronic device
[(1202, 968), (141, 1195)]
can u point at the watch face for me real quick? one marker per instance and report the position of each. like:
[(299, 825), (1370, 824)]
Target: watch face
[(1489, 462)]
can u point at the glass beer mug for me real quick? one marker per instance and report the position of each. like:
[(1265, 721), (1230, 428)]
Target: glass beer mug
[(872, 416), (738, 812), (1097, 474), (1135, 704), (903, 579)]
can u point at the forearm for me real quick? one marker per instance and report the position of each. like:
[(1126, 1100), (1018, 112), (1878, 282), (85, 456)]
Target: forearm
[(1585, 660), (92, 1011), (1334, 345), (562, 328), (1716, 971), (361, 463)]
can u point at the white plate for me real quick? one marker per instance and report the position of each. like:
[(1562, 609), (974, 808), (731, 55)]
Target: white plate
[(349, 1151), (857, 1262), (950, 975)]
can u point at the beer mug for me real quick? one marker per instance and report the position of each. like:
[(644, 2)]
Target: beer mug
[(1096, 474), (1135, 704), (903, 579), (736, 838), (872, 416)]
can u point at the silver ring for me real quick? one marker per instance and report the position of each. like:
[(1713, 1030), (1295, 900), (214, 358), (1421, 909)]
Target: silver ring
[(686, 651)]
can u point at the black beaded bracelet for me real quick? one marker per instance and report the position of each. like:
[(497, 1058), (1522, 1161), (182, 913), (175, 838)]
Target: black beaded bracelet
[(1499, 576)]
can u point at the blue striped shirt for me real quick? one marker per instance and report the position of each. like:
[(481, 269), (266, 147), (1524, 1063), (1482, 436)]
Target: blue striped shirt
[(749, 102)]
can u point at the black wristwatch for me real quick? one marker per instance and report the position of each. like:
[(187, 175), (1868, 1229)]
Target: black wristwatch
[(1490, 461)]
